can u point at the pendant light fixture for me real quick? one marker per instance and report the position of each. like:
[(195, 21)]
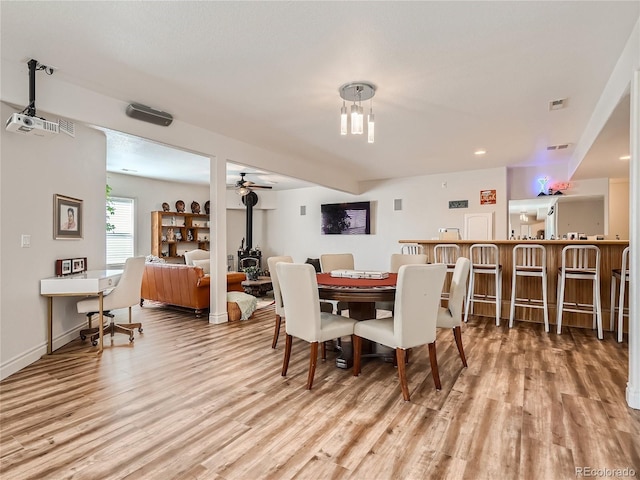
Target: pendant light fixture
[(357, 92)]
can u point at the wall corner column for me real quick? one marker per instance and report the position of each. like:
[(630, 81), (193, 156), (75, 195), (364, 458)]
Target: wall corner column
[(218, 240), (633, 385)]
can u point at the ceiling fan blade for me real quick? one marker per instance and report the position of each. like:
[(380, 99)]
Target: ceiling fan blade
[(261, 186)]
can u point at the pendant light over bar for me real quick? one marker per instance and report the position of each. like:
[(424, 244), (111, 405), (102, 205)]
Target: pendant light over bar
[(357, 92)]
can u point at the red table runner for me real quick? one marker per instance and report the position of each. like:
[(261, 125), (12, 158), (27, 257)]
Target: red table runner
[(327, 279)]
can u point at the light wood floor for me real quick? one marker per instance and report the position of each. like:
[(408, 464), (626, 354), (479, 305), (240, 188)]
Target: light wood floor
[(195, 401)]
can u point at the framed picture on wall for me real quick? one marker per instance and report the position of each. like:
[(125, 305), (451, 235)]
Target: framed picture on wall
[(67, 218)]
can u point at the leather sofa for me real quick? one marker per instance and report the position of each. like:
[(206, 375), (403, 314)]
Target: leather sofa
[(182, 285)]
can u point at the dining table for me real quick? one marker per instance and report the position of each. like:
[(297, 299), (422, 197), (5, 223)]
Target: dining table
[(361, 295)]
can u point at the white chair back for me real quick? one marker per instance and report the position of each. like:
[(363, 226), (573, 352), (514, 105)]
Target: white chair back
[(530, 257), (196, 254), (417, 302), (336, 261), (399, 259), (125, 294), (458, 289), (299, 288), (412, 249), (275, 282), (484, 254), (581, 259), (446, 253)]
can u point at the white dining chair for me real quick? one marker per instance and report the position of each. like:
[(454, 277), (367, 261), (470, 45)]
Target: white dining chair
[(451, 316), (413, 323), (397, 260), (304, 320)]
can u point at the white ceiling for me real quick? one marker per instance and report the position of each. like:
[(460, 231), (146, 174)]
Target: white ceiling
[(452, 77)]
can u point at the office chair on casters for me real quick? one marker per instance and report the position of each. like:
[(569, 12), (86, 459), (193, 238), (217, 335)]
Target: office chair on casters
[(125, 294)]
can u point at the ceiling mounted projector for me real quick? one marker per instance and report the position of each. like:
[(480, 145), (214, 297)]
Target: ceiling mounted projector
[(148, 114), (28, 125)]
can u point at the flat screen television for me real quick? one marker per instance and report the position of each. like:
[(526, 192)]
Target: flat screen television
[(346, 218)]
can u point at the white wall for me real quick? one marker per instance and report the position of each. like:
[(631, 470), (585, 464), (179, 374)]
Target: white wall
[(33, 169), (619, 209), (424, 210)]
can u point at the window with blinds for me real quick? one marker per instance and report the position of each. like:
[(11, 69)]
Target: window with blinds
[(120, 241)]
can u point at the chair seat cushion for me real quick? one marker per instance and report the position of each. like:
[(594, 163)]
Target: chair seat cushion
[(379, 330), (334, 326)]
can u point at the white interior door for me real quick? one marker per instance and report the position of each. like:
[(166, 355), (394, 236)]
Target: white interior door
[(478, 226)]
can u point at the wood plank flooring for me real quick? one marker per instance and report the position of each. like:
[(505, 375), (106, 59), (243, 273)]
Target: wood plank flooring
[(191, 400)]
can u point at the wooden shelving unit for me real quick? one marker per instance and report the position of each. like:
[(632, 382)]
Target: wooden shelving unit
[(173, 233)]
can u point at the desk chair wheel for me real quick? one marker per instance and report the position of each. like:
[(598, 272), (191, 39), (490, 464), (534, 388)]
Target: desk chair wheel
[(131, 339), (140, 329), (94, 342), (83, 337)]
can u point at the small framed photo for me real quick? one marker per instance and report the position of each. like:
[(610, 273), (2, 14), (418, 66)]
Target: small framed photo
[(66, 267), (67, 218), (77, 265), (63, 267)]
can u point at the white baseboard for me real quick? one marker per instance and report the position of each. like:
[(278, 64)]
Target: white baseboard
[(25, 359), (219, 318), (633, 397)]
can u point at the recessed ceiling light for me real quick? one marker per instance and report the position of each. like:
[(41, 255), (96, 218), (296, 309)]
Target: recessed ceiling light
[(625, 157), (480, 152)]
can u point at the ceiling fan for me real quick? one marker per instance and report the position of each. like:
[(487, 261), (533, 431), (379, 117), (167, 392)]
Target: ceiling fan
[(244, 187)]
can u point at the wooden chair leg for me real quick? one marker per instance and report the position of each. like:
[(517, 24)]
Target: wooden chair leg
[(457, 334), (287, 354), (402, 373), (357, 352), (276, 332), (324, 350), (434, 365), (313, 360)]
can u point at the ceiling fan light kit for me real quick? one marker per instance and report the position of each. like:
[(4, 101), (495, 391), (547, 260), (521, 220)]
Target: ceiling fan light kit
[(357, 92), (244, 187)]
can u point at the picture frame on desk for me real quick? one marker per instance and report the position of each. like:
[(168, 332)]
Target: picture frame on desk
[(79, 265), (63, 267), (67, 218)]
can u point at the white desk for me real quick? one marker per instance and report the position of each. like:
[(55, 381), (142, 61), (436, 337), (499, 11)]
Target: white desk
[(92, 282)]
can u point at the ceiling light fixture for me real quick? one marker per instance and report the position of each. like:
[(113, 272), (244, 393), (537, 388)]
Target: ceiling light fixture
[(625, 157), (480, 151), (524, 217), (357, 92)]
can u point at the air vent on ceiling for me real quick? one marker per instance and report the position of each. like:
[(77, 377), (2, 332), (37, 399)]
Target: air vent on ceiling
[(558, 147), (557, 104)]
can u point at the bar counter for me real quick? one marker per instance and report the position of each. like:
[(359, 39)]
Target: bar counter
[(575, 290)]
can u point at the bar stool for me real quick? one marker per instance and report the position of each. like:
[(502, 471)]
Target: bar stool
[(529, 261), (620, 275), (581, 262), (412, 249), (447, 253), (484, 260)]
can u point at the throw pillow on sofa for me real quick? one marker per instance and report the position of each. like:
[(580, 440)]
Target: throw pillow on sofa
[(205, 265)]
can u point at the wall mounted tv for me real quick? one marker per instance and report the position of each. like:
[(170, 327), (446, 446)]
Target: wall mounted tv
[(346, 218)]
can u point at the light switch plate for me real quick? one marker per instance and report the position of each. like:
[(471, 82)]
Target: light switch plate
[(25, 241)]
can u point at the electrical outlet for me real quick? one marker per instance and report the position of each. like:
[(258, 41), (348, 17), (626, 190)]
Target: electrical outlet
[(25, 241)]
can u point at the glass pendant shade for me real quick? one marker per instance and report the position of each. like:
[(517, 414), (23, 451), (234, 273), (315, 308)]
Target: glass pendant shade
[(354, 119), (371, 125), (343, 119)]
